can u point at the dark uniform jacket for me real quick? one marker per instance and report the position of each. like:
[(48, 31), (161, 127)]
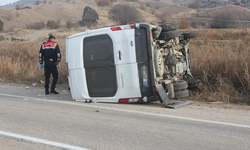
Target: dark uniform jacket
[(49, 53)]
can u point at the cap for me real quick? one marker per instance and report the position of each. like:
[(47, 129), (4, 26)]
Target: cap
[(52, 36)]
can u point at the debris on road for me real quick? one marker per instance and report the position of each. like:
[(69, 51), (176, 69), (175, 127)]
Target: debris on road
[(64, 92)]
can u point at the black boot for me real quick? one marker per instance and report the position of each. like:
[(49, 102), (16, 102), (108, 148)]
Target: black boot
[(46, 91), (53, 91)]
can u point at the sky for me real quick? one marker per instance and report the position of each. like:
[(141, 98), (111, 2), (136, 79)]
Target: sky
[(4, 2)]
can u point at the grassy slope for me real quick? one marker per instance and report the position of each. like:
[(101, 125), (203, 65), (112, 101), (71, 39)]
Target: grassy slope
[(239, 12)]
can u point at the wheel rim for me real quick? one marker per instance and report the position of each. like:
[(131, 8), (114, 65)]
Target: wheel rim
[(160, 63)]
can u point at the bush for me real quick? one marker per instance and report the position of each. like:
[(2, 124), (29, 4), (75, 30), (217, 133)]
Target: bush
[(223, 20), (36, 26), (105, 2), (194, 5), (70, 24), (184, 24), (51, 24), (1, 26), (197, 22), (124, 14)]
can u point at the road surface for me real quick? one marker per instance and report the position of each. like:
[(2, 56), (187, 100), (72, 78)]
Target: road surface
[(31, 120)]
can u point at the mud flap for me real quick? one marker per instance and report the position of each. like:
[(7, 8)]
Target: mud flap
[(163, 97)]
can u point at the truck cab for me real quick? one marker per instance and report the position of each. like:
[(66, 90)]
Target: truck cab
[(123, 64)]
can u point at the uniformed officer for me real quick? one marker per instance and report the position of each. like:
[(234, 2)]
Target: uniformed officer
[(51, 55)]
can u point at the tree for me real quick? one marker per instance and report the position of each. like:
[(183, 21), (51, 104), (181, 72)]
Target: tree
[(1, 26), (223, 20), (164, 16), (124, 14)]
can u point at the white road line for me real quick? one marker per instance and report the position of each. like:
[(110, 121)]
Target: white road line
[(132, 111), (37, 140)]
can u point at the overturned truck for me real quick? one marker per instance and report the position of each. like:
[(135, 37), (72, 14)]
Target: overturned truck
[(128, 63)]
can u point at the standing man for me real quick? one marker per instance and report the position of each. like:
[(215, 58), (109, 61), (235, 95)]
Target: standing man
[(51, 55)]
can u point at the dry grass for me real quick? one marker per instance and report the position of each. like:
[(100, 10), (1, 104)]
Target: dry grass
[(19, 62), (223, 65), (224, 35)]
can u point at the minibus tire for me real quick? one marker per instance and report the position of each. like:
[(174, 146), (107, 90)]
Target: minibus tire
[(188, 35), (169, 35), (169, 26), (180, 85), (181, 94), (159, 63)]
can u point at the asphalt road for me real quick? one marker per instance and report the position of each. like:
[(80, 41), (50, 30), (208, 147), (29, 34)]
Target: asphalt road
[(31, 120)]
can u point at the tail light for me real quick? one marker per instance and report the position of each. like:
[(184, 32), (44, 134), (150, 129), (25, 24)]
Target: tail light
[(130, 100), (123, 27)]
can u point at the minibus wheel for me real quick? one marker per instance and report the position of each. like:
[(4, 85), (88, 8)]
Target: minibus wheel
[(169, 35), (180, 85), (181, 94), (188, 35), (169, 26)]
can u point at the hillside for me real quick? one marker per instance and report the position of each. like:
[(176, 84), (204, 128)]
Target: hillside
[(72, 10), (63, 11)]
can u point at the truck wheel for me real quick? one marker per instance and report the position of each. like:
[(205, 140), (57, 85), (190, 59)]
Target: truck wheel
[(159, 63), (189, 35), (169, 35), (180, 85), (181, 94), (157, 32), (169, 26)]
